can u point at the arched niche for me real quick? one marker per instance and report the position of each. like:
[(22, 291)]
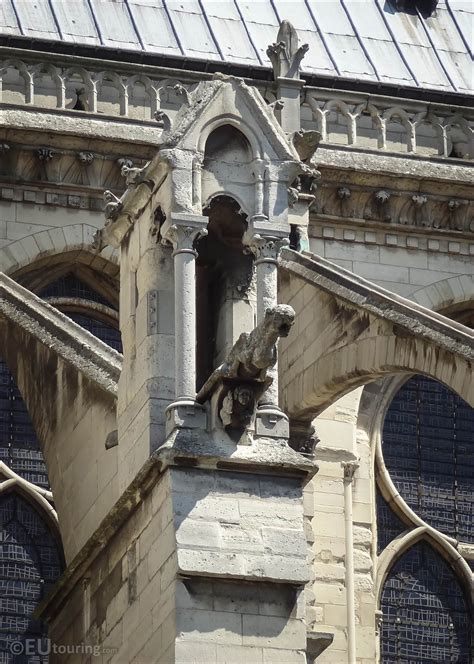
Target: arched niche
[(227, 166), (224, 285)]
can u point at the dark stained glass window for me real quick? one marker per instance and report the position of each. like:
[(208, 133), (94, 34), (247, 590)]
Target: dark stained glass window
[(110, 335), (19, 446), (389, 526), (30, 559), (428, 448), (70, 286), (30, 563), (426, 616)]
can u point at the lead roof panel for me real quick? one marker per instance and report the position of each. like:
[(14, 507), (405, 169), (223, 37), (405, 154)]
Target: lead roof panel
[(350, 39)]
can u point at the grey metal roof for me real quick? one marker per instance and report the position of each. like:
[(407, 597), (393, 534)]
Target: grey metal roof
[(353, 39)]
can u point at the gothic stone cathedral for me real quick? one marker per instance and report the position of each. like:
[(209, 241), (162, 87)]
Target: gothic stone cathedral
[(236, 312)]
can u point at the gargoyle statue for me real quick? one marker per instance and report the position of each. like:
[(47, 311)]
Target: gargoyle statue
[(306, 142), (255, 352), (235, 387)]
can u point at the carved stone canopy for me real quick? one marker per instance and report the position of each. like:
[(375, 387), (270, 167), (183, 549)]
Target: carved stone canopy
[(183, 176)]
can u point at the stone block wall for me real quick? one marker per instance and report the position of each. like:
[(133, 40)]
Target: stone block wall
[(209, 568), (399, 268)]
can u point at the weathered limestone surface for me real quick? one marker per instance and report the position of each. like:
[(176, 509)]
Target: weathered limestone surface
[(165, 571), (68, 379), (350, 331)]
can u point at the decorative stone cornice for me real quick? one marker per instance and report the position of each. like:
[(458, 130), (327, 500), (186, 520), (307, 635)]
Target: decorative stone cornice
[(421, 210)]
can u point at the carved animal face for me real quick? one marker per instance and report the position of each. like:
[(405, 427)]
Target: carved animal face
[(280, 319)]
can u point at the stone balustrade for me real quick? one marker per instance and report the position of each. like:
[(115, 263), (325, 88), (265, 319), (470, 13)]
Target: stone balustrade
[(355, 120)]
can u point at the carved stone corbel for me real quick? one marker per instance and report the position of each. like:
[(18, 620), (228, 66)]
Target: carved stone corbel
[(113, 205)]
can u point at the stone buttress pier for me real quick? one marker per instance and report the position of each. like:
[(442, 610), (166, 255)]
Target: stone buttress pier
[(204, 557)]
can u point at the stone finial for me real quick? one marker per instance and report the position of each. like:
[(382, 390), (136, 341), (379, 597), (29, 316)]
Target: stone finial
[(285, 55)]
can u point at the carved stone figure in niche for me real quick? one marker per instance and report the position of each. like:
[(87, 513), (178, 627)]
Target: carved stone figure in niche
[(224, 285)]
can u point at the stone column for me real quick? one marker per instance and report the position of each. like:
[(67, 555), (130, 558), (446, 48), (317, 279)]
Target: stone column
[(266, 248), (349, 468), (183, 231)]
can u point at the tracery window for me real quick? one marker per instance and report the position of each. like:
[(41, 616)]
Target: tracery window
[(30, 563), (425, 613), (30, 552), (428, 450)]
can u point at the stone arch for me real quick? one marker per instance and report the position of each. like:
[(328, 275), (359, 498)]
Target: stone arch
[(446, 294), (61, 369), (353, 333), (402, 545), (39, 497), (397, 115), (23, 71), (118, 86), (367, 359), (236, 122), (404, 542), (40, 70), (18, 255), (150, 98), (100, 277), (70, 77), (36, 557)]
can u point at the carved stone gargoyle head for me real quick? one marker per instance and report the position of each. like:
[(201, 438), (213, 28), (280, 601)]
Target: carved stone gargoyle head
[(235, 387)]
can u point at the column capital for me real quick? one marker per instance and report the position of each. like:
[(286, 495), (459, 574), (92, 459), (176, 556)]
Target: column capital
[(349, 468), (182, 231), (265, 248)]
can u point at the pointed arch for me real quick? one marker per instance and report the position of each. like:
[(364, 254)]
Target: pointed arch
[(31, 561), (427, 612)]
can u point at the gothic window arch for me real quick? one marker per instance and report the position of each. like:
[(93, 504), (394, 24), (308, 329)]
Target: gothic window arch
[(30, 549), (86, 306), (426, 617), (427, 449), (30, 563)]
